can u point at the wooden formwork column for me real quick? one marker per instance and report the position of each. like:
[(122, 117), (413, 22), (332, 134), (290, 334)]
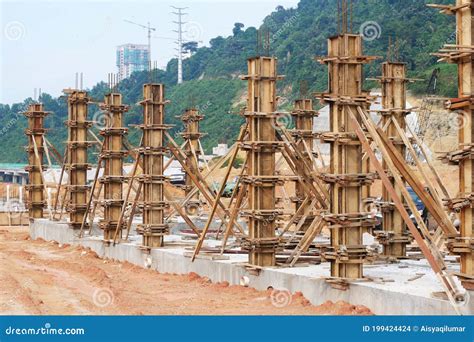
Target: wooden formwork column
[(303, 116), (77, 165), (462, 54), (395, 235), (152, 151), (35, 133), (192, 149), (348, 219), (113, 154), (261, 147)]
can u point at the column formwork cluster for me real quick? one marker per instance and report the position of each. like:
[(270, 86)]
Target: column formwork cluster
[(113, 155), (153, 149), (35, 149), (76, 160)]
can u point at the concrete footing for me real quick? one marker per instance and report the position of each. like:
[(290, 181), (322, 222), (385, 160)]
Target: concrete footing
[(394, 291)]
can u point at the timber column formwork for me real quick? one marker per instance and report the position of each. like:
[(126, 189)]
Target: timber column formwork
[(347, 219), (76, 163), (261, 147), (152, 153), (113, 153), (303, 116), (35, 133), (395, 236), (462, 54), (192, 149)]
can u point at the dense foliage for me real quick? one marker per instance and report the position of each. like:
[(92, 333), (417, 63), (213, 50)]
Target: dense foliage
[(296, 36)]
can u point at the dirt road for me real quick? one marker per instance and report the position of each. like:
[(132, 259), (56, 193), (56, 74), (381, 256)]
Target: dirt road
[(44, 278)]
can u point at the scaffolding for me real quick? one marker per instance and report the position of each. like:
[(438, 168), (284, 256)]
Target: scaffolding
[(152, 153), (461, 54), (76, 160), (192, 148), (36, 184), (347, 219), (261, 147), (112, 153)]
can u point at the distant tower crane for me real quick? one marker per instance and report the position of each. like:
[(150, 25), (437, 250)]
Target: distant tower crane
[(149, 29)]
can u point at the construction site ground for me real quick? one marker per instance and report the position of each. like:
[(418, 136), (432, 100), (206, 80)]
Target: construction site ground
[(46, 278)]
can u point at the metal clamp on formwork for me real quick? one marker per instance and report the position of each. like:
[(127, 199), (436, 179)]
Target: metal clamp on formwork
[(32, 149), (76, 188), (72, 145), (394, 111), (303, 133), (35, 204), (150, 179), (78, 124), (159, 205), (262, 214), (260, 245), (192, 135), (109, 202), (111, 225), (353, 254), (345, 100), (74, 208), (153, 229), (78, 166), (460, 245), (34, 187), (339, 138), (305, 113), (384, 206), (156, 127), (456, 157), (114, 131), (461, 202), (262, 146), (262, 181), (349, 220), (152, 151), (349, 180), (115, 108), (113, 179), (388, 237), (35, 131), (35, 168), (346, 59), (110, 154)]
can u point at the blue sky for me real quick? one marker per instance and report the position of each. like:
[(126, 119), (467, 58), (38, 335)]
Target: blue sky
[(44, 43)]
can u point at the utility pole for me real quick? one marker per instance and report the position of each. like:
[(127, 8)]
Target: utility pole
[(149, 29), (179, 12)]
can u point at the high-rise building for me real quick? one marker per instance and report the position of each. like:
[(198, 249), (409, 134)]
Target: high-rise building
[(130, 58)]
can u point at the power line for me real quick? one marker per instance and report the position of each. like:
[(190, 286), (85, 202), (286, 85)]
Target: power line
[(179, 13)]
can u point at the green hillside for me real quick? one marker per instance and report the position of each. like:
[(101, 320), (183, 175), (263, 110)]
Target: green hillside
[(296, 37)]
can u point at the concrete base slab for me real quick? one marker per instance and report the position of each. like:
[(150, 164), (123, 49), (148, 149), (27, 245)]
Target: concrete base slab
[(395, 294)]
